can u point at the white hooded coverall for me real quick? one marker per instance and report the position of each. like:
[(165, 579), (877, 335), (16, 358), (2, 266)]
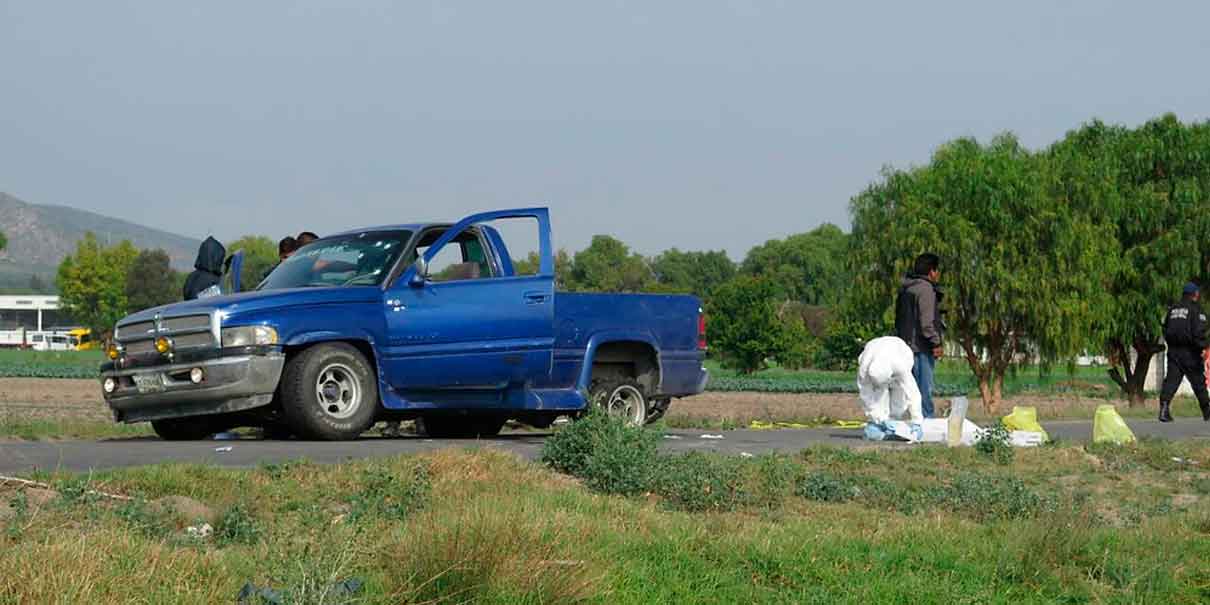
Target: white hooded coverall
[(885, 382)]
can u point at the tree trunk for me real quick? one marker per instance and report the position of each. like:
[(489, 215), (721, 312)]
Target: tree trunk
[(1133, 383), (991, 389)]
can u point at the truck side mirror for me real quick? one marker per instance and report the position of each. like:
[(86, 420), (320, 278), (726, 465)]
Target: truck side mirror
[(421, 274)]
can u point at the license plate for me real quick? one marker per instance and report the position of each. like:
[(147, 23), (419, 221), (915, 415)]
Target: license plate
[(148, 383)]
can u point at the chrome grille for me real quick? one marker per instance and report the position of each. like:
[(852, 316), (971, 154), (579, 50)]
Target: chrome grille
[(143, 329), (186, 332)]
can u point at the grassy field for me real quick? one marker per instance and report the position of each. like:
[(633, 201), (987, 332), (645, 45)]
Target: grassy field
[(1061, 524)]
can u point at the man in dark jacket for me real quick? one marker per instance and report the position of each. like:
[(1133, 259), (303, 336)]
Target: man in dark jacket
[(918, 323), (207, 269), (1185, 333)]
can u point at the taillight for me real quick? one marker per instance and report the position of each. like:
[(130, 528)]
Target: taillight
[(701, 332)]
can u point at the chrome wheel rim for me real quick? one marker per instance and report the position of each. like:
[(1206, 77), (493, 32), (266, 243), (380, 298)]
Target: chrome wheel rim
[(338, 391), (626, 402)]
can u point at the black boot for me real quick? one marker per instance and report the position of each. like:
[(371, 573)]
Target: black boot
[(1165, 412)]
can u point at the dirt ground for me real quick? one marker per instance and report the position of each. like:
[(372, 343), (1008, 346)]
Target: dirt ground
[(81, 400), (53, 398)]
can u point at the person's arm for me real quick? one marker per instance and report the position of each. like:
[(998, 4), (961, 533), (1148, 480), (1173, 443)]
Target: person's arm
[(1197, 324), (926, 304)]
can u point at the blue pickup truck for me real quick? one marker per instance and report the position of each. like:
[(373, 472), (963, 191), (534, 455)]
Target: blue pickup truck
[(432, 322)]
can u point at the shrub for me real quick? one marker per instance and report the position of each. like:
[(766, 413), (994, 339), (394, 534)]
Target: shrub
[(237, 526), (609, 455), (826, 487), (390, 495), (699, 482), (990, 497), (994, 443)]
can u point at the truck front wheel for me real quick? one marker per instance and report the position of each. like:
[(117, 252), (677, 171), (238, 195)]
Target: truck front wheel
[(620, 398), (329, 393)]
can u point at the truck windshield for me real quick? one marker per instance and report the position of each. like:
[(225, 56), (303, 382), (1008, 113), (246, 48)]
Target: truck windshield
[(358, 259)]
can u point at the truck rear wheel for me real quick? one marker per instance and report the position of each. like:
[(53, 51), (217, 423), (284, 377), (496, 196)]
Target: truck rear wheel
[(620, 398), (330, 393), (192, 428)]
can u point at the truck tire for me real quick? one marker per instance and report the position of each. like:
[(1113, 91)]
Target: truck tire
[(622, 398), (191, 428), (657, 409), (450, 426), (329, 392)]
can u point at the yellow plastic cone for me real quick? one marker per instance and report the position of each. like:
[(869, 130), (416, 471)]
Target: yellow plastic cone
[(1108, 427)]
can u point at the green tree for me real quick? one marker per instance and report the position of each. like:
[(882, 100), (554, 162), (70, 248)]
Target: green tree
[(1151, 187), (1024, 272), (151, 282), (532, 262), (809, 267), (608, 265), (744, 324), (3, 241), (92, 283), (696, 273), (260, 256)]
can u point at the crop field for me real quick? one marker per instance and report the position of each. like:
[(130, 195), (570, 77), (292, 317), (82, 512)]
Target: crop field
[(49, 364)]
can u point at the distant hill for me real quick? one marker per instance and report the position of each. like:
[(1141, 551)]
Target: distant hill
[(40, 236)]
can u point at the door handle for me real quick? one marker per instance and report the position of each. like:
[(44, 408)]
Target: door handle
[(536, 298)]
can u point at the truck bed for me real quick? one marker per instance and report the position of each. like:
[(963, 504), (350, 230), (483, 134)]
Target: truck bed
[(669, 323)]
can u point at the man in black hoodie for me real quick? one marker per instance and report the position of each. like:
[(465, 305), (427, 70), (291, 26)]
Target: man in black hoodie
[(207, 269), (918, 323)]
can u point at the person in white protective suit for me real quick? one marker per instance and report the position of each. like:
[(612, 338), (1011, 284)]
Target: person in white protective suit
[(887, 388)]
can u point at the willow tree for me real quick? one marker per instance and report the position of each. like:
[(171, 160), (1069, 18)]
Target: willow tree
[(1022, 270), (1151, 187)]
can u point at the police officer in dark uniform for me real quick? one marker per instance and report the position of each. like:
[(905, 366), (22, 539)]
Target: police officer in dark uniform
[(1185, 333)]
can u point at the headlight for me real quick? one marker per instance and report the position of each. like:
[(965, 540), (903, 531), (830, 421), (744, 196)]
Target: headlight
[(114, 351), (247, 336)]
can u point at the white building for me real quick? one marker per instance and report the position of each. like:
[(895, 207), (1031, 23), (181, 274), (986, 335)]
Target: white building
[(34, 321)]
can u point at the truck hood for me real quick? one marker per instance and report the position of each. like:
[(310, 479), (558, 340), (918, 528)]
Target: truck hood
[(246, 302)]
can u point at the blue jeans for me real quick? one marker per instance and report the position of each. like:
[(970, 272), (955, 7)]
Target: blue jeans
[(922, 371)]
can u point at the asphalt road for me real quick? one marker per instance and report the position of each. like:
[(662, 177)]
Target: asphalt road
[(20, 457)]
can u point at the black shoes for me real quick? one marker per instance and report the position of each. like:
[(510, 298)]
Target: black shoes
[(1165, 412)]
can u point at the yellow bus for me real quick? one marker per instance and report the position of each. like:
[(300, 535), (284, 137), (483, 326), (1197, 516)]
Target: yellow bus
[(82, 340)]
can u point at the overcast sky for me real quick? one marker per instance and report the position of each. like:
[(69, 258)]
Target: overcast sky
[(687, 123)]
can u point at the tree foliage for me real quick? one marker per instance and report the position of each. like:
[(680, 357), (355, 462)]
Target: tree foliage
[(744, 323), (1150, 187), (260, 256), (92, 283), (608, 265), (3, 241), (809, 267), (151, 282), (698, 273), (1024, 271), (531, 263)]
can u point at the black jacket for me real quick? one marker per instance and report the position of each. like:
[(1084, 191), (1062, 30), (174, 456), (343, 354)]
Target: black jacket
[(918, 314), (208, 268), (1185, 326)]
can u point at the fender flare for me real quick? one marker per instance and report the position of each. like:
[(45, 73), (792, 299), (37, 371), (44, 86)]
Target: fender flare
[(609, 337)]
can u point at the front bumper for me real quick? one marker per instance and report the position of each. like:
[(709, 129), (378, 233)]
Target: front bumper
[(231, 384)]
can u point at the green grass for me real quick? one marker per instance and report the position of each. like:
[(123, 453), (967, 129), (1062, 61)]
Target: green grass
[(39, 429), (49, 364), (484, 527)]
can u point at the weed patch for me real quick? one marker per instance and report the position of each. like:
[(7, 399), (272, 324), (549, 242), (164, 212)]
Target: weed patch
[(388, 495), (994, 443), (608, 455), (237, 526)]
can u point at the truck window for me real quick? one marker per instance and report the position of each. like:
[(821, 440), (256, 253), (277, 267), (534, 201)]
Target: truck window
[(464, 258), (356, 259)]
